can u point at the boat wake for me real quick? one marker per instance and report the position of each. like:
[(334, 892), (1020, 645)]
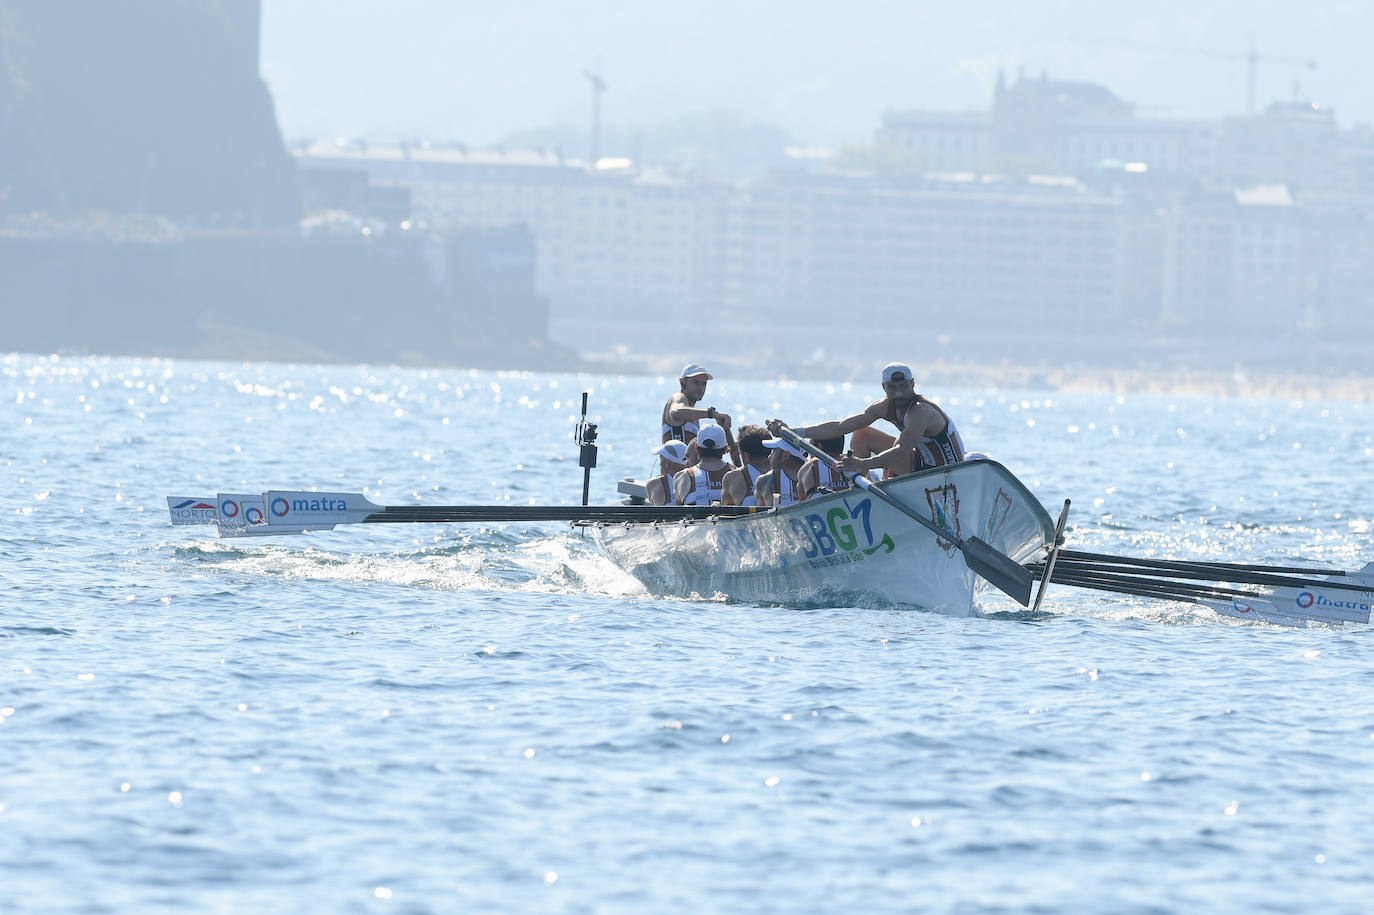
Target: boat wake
[(486, 561)]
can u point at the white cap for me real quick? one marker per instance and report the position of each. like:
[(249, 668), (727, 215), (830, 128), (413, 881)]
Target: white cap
[(693, 369), (674, 450), (785, 445), (893, 369), (710, 436)]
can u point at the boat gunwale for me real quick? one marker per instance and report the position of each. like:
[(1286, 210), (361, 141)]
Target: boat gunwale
[(1043, 514)]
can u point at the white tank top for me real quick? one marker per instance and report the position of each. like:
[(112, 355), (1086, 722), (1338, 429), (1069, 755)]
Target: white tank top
[(788, 494), (705, 490), (826, 478)]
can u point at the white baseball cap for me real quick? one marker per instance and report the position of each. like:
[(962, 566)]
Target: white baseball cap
[(785, 445), (710, 436), (674, 450), (693, 369), (893, 370)]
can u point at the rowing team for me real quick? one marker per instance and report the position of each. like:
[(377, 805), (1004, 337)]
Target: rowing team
[(695, 442)]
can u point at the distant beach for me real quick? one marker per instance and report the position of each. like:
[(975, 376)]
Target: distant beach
[(1291, 370)]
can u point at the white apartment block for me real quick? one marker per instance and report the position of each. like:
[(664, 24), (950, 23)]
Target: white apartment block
[(968, 251), (1051, 127), (938, 253), (617, 242)]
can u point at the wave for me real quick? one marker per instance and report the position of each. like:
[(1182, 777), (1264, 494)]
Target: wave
[(486, 561)]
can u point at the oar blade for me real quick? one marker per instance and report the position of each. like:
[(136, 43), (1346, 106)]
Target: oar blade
[(191, 509), (244, 515), (1001, 571), (287, 508)]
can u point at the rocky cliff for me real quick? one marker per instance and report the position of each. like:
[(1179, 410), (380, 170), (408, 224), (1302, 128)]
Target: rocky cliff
[(140, 106)]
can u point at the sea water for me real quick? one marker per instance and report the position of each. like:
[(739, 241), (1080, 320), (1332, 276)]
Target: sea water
[(486, 718)]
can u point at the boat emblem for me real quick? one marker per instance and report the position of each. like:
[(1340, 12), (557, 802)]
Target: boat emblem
[(1001, 507), (944, 511)]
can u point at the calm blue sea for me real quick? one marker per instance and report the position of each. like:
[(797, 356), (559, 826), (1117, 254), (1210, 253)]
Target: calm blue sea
[(493, 719)]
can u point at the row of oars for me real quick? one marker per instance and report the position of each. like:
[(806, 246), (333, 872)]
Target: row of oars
[(502, 513), (1182, 581)]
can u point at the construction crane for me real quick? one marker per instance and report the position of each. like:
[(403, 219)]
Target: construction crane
[(1253, 58), (598, 87)]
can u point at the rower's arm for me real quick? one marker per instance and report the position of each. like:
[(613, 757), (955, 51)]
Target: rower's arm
[(927, 422), (806, 479), (835, 426), (763, 489), (682, 412), (732, 487)]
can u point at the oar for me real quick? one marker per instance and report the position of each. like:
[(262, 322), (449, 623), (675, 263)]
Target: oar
[(1203, 572), (1119, 588), (1003, 572), (1053, 557), (292, 507), (1263, 606), (1075, 555), (1134, 585)]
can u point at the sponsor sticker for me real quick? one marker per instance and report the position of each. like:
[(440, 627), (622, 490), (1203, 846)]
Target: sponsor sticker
[(840, 535), (191, 511)]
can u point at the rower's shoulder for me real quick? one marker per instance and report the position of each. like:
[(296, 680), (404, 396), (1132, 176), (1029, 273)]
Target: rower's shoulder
[(925, 413), (925, 403)]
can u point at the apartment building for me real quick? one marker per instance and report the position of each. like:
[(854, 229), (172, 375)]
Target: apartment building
[(949, 252), (1049, 126), (628, 243), (954, 250)]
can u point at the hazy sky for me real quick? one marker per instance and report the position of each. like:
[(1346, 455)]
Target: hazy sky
[(824, 70)]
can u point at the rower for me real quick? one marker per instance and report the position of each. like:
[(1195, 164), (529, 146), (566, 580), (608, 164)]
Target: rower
[(703, 484), (815, 476), (927, 436), (738, 485), (672, 458), (681, 415), (786, 464)]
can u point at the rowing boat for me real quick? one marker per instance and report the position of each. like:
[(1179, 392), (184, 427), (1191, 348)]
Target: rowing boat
[(844, 548), (935, 540)]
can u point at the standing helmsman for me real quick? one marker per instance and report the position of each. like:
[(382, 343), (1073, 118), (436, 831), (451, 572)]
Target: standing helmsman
[(926, 435), (681, 415)]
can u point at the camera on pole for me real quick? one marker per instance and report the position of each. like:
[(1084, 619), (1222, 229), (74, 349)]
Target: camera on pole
[(584, 433)]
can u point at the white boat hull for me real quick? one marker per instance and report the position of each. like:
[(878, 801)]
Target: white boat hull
[(845, 549)]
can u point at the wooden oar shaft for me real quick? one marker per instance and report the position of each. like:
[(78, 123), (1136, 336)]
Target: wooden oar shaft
[(1117, 588), (400, 514), (1204, 573), (1174, 563), (1133, 584)]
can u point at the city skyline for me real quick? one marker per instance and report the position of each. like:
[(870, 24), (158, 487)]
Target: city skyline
[(447, 72)]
